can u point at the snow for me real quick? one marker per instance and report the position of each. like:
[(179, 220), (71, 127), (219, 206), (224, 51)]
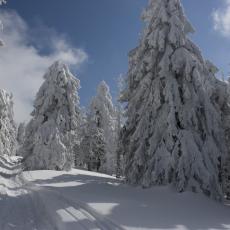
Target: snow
[(174, 130), (78, 199), (103, 112), (7, 124), (133, 208), (176, 138), (51, 133)]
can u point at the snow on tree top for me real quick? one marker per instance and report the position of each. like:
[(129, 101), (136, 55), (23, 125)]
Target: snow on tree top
[(103, 88), (59, 71), (58, 82), (167, 11)]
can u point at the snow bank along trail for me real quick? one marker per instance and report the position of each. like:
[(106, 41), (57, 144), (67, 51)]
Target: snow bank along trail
[(20, 209)]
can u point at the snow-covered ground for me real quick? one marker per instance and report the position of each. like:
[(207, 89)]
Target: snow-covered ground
[(50, 200)]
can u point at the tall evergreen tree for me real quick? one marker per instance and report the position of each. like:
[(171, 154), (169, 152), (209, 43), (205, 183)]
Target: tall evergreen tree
[(119, 154), (49, 135), (78, 152), (93, 146), (104, 113), (7, 125), (21, 133), (221, 96), (173, 131), (119, 129), (226, 123)]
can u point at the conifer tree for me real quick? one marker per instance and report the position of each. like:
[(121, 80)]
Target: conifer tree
[(21, 133), (93, 146), (119, 129), (49, 135), (221, 97), (173, 131), (103, 111), (7, 125)]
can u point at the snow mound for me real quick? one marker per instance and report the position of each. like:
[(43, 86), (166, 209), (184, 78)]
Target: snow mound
[(11, 180)]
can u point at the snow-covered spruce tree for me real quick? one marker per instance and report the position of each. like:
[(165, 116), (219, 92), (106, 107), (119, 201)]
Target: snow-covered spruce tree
[(93, 146), (78, 153), (221, 96), (21, 133), (119, 153), (173, 131), (7, 125), (119, 129), (103, 111), (226, 124), (50, 133)]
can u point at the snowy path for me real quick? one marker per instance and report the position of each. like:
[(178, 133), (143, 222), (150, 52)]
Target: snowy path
[(26, 206), (104, 197), (81, 200), (68, 214), (23, 214)]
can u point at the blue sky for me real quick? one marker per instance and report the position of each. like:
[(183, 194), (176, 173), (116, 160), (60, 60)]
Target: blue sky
[(107, 29)]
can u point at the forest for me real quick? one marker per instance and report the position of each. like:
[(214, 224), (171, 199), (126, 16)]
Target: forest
[(155, 157)]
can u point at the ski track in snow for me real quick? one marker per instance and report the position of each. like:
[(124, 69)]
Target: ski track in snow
[(32, 207), (73, 215)]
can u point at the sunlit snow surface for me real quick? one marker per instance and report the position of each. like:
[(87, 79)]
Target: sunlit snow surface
[(47, 200), (135, 208)]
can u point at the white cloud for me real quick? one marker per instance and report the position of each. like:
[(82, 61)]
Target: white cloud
[(221, 19), (22, 65)]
